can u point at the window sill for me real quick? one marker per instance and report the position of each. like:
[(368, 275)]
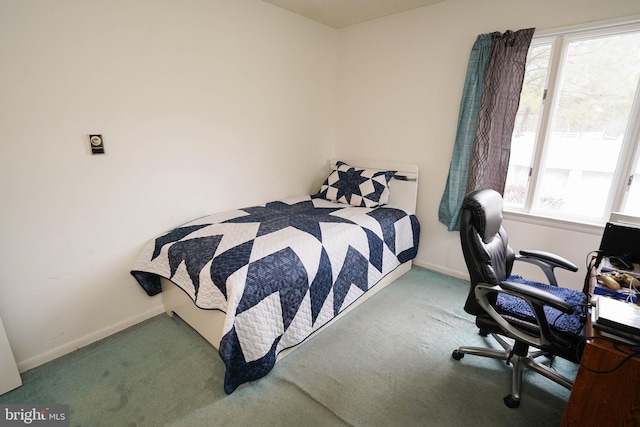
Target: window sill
[(581, 227)]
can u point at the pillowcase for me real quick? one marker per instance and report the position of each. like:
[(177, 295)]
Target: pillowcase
[(357, 187)]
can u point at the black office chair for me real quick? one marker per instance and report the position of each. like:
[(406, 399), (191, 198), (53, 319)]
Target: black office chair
[(548, 318)]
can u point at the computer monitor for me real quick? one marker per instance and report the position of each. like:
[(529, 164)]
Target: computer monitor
[(620, 239)]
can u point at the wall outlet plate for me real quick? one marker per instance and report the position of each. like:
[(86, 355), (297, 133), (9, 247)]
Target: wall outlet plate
[(97, 144)]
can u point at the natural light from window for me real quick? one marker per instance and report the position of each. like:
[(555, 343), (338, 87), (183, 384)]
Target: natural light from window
[(572, 151)]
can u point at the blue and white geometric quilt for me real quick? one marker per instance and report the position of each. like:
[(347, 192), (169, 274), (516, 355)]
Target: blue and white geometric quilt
[(278, 271)]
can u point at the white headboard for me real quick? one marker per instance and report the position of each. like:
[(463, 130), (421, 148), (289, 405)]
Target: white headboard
[(403, 190)]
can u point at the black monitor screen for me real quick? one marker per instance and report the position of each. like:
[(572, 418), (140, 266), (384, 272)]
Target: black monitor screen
[(621, 239)]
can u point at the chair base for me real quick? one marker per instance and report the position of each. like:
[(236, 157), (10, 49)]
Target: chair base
[(520, 359)]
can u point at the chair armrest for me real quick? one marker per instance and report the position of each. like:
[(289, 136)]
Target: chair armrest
[(536, 299), (539, 296), (550, 258), (547, 262)]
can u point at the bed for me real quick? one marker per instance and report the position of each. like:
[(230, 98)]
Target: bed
[(257, 282)]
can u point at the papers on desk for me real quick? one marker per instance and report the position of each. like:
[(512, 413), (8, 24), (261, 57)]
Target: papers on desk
[(607, 267), (618, 319)]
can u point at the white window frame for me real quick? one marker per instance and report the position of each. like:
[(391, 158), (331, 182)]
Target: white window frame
[(630, 151)]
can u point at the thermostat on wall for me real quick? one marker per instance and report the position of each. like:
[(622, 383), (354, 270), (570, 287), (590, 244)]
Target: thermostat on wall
[(97, 144)]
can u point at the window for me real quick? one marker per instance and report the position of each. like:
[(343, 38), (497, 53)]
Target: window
[(574, 150)]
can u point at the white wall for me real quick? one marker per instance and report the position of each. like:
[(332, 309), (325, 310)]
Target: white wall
[(204, 105), (207, 105), (400, 82)]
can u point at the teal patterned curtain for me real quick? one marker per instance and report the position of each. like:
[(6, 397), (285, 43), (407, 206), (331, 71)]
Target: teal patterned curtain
[(485, 124), (454, 192)]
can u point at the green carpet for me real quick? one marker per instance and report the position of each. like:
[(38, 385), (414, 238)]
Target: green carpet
[(387, 363)]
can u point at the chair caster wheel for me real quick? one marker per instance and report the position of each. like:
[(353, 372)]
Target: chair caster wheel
[(457, 355), (511, 402), (483, 333)]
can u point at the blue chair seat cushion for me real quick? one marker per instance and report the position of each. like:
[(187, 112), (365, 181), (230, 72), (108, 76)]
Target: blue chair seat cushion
[(558, 320)]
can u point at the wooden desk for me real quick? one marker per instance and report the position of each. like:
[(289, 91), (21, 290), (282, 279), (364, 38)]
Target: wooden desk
[(604, 398)]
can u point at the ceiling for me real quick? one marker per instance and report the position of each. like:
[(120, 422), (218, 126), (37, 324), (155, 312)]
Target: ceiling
[(342, 13)]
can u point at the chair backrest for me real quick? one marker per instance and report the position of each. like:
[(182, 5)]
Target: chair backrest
[(485, 245)]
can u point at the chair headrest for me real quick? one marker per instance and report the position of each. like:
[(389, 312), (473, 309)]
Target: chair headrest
[(486, 208)]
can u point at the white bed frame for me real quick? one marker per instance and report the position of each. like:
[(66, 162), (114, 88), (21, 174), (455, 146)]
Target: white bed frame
[(208, 323)]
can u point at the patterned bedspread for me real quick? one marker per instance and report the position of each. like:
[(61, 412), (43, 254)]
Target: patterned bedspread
[(279, 271)]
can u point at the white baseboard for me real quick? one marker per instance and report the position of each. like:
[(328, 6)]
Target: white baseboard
[(69, 347), (440, 269)]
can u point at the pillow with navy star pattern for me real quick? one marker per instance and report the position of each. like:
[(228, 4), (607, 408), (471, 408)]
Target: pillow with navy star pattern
[(357, 187)]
